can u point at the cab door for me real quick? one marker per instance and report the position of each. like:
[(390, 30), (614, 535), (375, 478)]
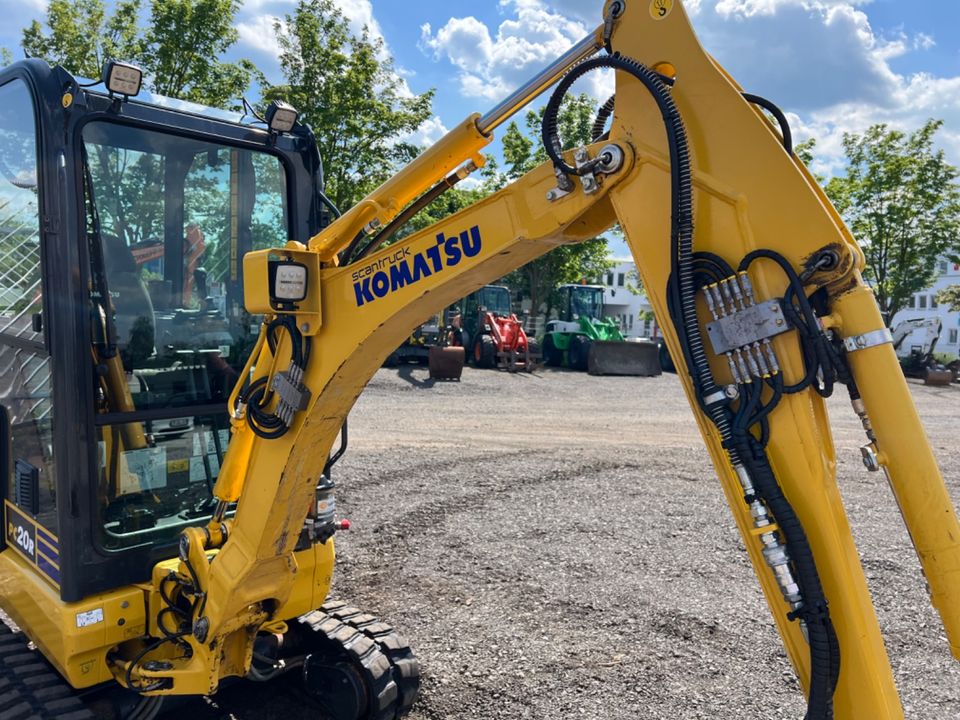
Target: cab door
[(27, 415)]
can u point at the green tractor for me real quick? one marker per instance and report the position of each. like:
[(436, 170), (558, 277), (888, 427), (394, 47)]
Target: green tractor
[(582, 339)]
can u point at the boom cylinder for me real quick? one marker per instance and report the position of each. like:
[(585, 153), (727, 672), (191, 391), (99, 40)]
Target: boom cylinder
[(502, 112), (905, 455)]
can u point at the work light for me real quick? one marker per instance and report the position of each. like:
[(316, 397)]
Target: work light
[(288, 281), (281, 117), (122, 78)]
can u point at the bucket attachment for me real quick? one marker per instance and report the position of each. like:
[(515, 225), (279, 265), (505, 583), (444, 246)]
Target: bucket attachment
[(446, 363), (937, 377), (624, 358)]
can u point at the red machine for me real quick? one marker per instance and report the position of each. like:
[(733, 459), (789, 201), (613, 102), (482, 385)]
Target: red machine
[(499, 339)]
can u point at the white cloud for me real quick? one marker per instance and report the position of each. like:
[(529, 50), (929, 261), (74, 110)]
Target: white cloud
[(493, 64), (427, 134), (258, 34), (821, 60)]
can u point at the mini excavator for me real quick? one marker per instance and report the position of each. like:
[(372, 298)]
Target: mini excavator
[(186, 325)]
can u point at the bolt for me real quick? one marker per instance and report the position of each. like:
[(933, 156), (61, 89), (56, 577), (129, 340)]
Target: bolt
[(200, 629)]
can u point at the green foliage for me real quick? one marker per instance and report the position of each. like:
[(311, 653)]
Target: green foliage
[(80, 35), (6, 57), (183, 43), (349, 93), (179, 50), (901, 200), (950, 296), (804, 150), (567, 263)]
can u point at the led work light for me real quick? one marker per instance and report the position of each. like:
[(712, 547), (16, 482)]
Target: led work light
[(122, 78), (288, 281), (281, 116)]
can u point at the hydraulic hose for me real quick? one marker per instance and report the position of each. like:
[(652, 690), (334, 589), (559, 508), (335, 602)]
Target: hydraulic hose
[(778, 114), (600, 124), (742, 447)]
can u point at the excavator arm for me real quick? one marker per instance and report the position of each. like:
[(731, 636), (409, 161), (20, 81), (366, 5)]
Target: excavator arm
[(754, 279)]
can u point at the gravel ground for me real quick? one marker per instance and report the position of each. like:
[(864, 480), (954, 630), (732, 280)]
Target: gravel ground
[(557, 546)]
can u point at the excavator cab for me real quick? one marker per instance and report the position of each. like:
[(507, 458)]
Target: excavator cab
[(123, 225)]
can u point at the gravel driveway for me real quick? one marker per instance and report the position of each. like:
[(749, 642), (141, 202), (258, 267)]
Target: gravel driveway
[(557, 546)]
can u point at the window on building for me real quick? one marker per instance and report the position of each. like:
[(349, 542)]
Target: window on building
[(953, 337), (610, 279), (912, 302), (923, 302), (620, 279), (933, 301), (943, 266)]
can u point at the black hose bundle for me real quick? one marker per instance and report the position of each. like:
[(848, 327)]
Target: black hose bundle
[(735, 431), (258, 397)]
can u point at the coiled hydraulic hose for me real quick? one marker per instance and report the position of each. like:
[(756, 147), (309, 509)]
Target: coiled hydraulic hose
[(741, 446)]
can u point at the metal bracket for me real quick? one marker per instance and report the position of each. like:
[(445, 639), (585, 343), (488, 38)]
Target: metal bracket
[(870, 460), (564, 187), (868, 340), (608, 161), (589, 181)]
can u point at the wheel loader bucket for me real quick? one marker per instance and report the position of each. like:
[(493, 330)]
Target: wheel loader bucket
[(624, 358), (937, 377), (446, 363)]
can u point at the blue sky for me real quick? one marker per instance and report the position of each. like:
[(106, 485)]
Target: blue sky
[(833, 65)]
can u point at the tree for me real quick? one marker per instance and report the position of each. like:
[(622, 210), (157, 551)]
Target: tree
[(81, 36), (901, 200), (568, 263), (179, 50), (950, 296), (348, 92)]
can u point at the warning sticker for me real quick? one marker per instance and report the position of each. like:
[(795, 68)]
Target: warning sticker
[(90, 617), (659, 9)]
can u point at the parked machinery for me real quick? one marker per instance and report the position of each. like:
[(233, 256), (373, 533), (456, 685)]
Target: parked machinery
[(493, 335), (582, 339), (447, 357), (416, 347)]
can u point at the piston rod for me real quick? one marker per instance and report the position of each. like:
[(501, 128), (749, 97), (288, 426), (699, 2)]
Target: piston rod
[(502, 112)]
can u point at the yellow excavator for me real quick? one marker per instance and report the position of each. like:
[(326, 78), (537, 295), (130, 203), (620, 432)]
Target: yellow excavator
[(186, 326)]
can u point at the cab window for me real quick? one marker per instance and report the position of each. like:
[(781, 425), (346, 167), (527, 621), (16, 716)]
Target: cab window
[(169, 220), (25, 376)]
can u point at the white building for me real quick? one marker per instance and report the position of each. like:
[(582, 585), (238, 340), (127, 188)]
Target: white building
[(924, 305), (625, 305)]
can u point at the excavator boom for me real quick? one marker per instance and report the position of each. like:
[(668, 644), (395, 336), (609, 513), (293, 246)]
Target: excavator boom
[(763, 227)]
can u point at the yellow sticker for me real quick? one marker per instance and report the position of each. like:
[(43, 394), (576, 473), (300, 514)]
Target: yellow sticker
[(178, 466), (659, 9)]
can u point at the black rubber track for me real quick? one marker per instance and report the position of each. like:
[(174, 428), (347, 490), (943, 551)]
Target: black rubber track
[(30, 689), (389, 666)]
